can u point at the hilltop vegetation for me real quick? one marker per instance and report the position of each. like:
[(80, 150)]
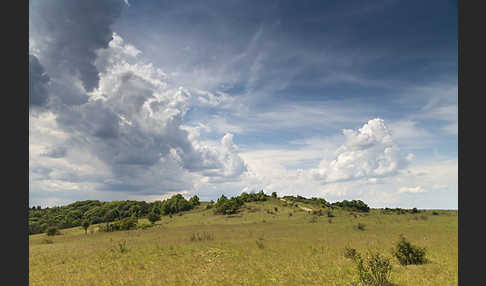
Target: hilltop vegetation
[(258, 240), (122, 214), (94, 211)]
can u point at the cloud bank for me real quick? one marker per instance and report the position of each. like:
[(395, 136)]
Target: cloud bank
[(132, 124)]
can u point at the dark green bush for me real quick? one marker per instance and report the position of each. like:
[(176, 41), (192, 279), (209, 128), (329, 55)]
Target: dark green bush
[(153, 217), (360, 226), (123, 224), (356, 205), (194, 200), (175, 204), (252, 197), (318, 212), (227, 206), (406, 253), (53, 230), (128, 223)]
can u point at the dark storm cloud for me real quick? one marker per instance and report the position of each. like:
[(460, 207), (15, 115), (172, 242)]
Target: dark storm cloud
[(38, 79), (92, 119), (72, 32), (279, 50)]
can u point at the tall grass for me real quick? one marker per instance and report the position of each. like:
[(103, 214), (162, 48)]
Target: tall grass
[(167, 255)]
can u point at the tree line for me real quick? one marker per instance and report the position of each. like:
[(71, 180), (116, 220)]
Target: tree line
[(94, 211), (124, 214)]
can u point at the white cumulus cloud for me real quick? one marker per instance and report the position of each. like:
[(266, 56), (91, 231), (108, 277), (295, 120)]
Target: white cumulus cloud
[(368, 152)]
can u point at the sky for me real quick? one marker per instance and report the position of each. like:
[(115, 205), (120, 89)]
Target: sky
[(141, 100)]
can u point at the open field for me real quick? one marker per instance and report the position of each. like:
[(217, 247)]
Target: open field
[(253, 247)]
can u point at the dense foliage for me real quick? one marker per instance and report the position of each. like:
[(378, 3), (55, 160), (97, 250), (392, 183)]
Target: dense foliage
[(227, 206), (123, 224), (400, 211), (355, 205), (374, 270), (94, 211), (318, 202), (153, 217), (406, 253), (175, 204), (230, 206), (253, 197)]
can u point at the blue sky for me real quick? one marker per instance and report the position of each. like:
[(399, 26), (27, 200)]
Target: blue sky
[(335, 99)]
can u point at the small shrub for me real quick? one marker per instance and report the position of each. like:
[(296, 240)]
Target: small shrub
[(259, 244), (424, 217), (330, 214), (318, 213), (276, 209), (52, 230), (435, 213), (361, 226), (407, 254), (375, 271), (350, 252), (313, 219), (122, 246), (290, 214), (329, 220)]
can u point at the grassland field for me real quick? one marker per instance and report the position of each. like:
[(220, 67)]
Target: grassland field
[(257, 246)]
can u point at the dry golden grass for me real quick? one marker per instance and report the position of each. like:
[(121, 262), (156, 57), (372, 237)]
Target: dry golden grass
[(294, 252)]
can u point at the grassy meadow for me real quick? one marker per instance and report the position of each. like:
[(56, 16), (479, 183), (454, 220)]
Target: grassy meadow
[(257, 246)]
